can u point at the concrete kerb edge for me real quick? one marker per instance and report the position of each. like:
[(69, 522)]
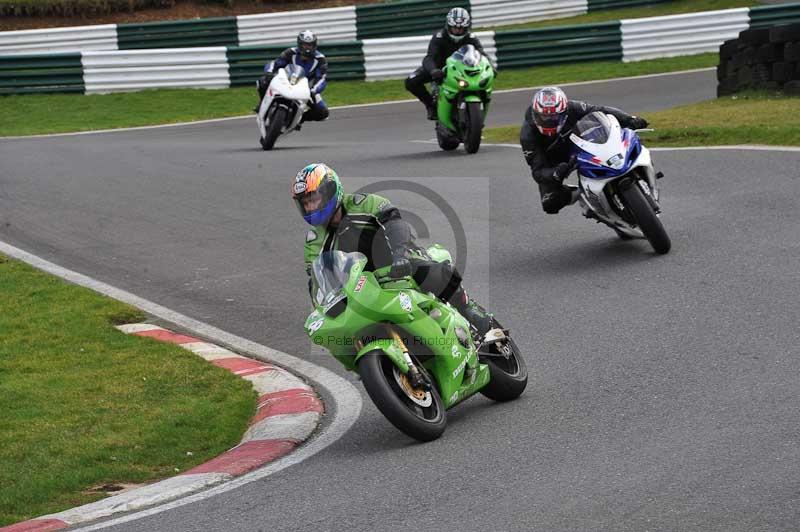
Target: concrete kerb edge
[(345, 406)]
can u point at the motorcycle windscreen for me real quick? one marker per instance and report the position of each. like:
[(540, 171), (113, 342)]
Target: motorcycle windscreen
[(469, 55), (331, 271), (295, 73), (594, 127)]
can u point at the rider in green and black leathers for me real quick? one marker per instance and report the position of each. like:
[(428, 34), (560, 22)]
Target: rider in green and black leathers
[(370, 224)]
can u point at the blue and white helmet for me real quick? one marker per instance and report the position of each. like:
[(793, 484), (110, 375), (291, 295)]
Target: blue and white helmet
[(458, 23), (307, 43)]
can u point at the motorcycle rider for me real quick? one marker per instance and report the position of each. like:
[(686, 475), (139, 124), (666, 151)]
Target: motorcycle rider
[(442, 45), (546, 146), (370, 224), (306, 55)]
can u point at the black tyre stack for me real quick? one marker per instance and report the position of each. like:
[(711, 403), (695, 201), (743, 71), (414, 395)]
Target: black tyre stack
[(763, 58)]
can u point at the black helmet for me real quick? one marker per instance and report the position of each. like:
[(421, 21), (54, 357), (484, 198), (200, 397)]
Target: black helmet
[(458, 23), (307, 43)]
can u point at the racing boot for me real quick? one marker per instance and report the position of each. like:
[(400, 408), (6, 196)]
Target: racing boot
[(480, 320), (432, 114)]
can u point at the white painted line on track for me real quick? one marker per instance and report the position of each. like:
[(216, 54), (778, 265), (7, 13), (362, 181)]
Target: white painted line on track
[(345, 397), (753, 147), (353, 106)]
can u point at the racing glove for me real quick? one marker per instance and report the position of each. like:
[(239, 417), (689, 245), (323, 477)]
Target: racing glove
[(437, 75), (637, 122), (562, 171), (401, 267)]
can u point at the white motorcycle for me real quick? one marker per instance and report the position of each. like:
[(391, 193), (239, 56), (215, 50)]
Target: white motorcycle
[(283, 105), (616, 179)]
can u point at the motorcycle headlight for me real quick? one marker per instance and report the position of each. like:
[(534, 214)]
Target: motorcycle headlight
[(463, 84)]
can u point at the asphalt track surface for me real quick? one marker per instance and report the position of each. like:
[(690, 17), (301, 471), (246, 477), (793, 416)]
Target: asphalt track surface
[(663, 391)]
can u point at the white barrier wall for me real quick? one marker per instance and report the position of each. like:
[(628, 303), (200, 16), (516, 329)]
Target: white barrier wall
[(674, 35), (496, 12), (51, 40), (203, 68), (337, 24), (399, 56)]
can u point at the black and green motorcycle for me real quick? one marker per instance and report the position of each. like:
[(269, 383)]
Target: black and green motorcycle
[(416, 355), (462, 99)]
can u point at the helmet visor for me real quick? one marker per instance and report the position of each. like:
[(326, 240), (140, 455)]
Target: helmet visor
[(549, 123), (456, 30), (307, 48)]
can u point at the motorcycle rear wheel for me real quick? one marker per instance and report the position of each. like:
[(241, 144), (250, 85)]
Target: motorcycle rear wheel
[(646, 219), (421, 423), (474, 127), (509, 375), (274, 128)]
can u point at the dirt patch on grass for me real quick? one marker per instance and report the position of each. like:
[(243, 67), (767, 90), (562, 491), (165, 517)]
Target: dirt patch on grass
[(183, 10)]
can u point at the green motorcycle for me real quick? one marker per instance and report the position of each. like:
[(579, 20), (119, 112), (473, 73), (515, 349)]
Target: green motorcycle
[(463, 99), (415, 354)]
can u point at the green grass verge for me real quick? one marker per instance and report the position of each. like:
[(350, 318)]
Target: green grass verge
[(657, 10), (84, 404), (753, 118), (59, 113)]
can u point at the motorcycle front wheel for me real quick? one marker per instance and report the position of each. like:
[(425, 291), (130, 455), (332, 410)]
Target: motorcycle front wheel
[(508, 370), (473, 127), (646, 219), (419, 414), (274, 128)]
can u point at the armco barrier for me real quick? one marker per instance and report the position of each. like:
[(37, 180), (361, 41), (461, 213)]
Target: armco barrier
[(178, 34), (246, 63), (403, 18), (41, 73), (393, 58), (565, 44), (495, 12), (693, 33), (409, 17), (148, 69), (54, 40), (337, 24), (765, 16)]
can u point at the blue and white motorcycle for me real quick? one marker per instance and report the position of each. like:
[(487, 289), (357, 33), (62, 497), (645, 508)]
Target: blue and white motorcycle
[(616, 180)]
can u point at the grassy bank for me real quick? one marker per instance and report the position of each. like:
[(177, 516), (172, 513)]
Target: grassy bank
[(754, 118), (58, 113), (656, 10), (85, 405)]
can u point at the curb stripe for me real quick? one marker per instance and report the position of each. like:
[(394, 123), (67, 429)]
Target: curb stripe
[(287, 402), (167, 336), (246, 457), (242, 366), (36, 525)]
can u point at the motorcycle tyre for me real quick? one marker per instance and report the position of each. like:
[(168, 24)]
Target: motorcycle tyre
[(474, 127), (375, 369), (274, 129), (446, 141), (509, 377), (646, 218)]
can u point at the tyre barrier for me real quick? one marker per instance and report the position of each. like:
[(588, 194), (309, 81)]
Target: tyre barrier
[(765, 58)]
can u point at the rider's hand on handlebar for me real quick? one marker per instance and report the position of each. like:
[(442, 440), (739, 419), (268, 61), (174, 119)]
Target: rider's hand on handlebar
[(400, 268), (437, 74), (562, 170)]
